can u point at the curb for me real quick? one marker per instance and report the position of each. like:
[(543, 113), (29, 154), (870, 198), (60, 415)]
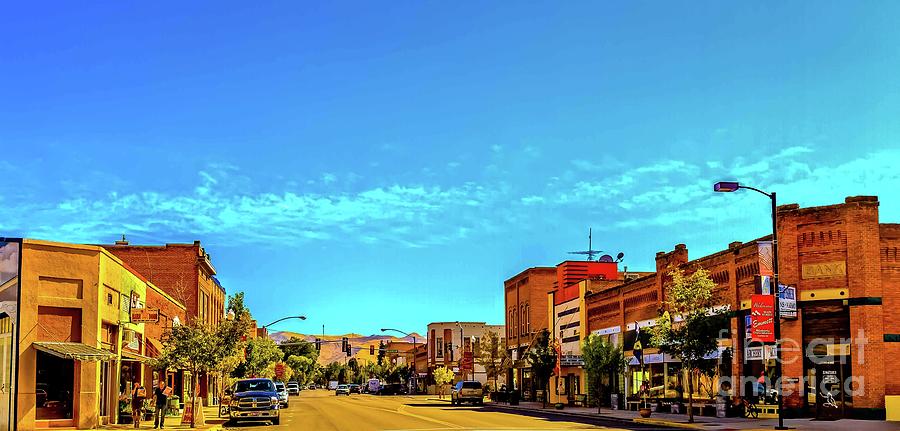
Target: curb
[(562, 413), (663, 422)]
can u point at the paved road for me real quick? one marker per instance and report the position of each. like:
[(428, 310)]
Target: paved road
[(320, 410)]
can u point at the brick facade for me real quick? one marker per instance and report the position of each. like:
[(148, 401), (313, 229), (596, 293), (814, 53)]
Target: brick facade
[(839, 257)]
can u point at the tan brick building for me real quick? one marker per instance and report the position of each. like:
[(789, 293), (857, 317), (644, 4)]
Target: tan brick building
[(845, 267)]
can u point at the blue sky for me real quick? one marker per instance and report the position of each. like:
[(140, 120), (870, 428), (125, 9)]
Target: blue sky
[(379, 164)]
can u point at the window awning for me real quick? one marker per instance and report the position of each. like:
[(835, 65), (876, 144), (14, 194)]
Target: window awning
[(76, 351), (135, 357)]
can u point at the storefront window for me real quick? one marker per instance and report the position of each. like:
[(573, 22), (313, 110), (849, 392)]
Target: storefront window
[(674, 381), (54, 386)]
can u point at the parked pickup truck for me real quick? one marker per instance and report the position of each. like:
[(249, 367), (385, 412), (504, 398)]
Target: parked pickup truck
[(254, 400)]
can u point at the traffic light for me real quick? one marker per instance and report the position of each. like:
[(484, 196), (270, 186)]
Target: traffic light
[(318, 344), (348, 349), (344, 342), (372, 349)]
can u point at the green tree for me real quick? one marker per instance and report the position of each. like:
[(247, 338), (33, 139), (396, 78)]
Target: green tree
[(542, 357), (602, 359), (299, 347), (491, 354), (269, 372), (442, 376), (261, 352), (231, 335), (193, 347), (692, 298), (303, 367)]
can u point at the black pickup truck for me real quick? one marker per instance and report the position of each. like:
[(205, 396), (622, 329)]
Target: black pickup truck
[(254, 400)]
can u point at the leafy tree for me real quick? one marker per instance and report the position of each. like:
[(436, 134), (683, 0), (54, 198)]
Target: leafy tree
[(442, 376), (380, 352), (492, 355), (270, 372), (193, 347), (303, 368), (601, 359), (299, 347), (261, 352), (542, 357), (691, 297), (231, 335)]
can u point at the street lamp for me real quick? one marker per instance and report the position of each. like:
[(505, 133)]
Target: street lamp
[(301, 317), (733, 186), (407, 334)]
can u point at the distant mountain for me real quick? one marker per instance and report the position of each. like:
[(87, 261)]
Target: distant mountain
[(331, 352)]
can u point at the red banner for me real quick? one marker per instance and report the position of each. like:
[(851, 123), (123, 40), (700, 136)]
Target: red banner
[(762, 318)]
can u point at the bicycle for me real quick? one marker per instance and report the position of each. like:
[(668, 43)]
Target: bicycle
[(750, 409)]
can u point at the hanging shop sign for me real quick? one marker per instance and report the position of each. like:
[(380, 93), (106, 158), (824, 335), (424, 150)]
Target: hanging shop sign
[(762, 318), (787, 302), (571, 361), (144, 315)]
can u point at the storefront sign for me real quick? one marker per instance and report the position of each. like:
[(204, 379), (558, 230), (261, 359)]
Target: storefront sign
[(571, 361), (824, 270), (787, 302), (762, 318), (144, 315), (608, 331)]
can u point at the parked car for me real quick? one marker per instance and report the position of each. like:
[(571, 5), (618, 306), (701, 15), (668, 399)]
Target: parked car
[(254, 400), (293, 388), (281, 388), (342, 390), (467, 391), (392, 389), (354, 388), (372, 386)]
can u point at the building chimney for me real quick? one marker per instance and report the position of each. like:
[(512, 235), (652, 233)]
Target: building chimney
[(122, 241)]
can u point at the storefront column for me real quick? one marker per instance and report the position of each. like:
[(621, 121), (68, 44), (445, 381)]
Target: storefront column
[(792, 354), (867, 358)]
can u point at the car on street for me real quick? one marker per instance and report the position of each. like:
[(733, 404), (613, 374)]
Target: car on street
[(469, 391), (392, 389), (293, 388), (342, 390), (254, 400), (281, 388), (354, 388)]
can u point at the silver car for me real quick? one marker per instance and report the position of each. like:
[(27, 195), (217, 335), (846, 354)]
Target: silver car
[(282, 394)]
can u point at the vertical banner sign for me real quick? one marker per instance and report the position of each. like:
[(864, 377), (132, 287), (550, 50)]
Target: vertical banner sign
[(787, 302), (762, 318)]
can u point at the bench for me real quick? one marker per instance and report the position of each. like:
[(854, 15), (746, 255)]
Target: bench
[(580, 399)]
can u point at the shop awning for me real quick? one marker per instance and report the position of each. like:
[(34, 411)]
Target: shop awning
[(154, 347), (131, 356), (76, 351)]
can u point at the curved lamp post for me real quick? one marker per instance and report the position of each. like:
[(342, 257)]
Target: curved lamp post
[(301, 317), (407, 334), (733, 186)]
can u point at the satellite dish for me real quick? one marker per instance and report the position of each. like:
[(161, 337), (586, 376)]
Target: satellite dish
[(620, 256), (605, 258)]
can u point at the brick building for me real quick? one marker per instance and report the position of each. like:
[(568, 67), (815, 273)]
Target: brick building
[(526, 314), (185, 272), (845, 268)]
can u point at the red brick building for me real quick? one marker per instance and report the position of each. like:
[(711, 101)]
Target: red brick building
[(186, 273), (845, 267), (526, 314)]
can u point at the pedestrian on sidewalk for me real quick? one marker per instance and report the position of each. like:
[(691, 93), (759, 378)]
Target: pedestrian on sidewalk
[(161, 393), (138, 395)]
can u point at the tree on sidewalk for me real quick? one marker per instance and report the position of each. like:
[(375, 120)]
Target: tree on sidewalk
[(193, 347), (601, 359), (542, 357), (491, 354), (442, 376), (692, 299), (261, 352)]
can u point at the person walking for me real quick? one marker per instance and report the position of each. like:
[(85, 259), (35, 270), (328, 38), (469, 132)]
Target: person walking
[(138, 395), (161, 393)]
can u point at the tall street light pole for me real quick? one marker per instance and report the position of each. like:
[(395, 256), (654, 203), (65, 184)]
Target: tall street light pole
[(462, 353), (407, 334), (733, 186)]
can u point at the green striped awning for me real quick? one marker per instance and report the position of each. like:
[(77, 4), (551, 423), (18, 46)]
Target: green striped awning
[(76, 351)]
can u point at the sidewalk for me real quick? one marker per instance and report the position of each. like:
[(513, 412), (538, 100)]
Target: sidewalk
[(704, 422), (211, 413)]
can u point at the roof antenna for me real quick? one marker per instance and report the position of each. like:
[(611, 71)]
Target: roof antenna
[(590, 252)]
